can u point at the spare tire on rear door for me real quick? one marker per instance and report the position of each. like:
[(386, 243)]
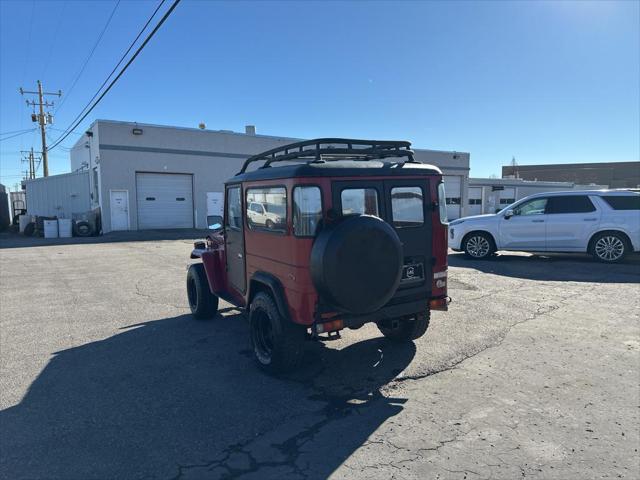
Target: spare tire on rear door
[(356, 264)]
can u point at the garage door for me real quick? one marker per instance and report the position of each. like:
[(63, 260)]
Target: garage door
[(475, 201), (452, 192), (165, 200)]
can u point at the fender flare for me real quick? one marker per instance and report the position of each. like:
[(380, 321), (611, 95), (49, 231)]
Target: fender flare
[(275, 287)]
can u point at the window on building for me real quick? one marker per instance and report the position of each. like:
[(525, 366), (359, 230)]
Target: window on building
[(267, 209), (362, 201), (620, 202), (532, 207), (96, 186), (234, 208), (570, 204), (407, 206), (507, 201), (453, 200), (475, 201), (307, 210)]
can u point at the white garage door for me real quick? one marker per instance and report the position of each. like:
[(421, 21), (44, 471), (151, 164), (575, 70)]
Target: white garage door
[(475, 201), (452, 190), (165, 200)]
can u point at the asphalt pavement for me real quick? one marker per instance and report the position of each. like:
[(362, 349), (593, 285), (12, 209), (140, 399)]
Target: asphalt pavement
[(533, 373)]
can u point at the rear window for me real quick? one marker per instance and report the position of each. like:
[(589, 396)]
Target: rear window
[(442, 204), (307, 210), (407, 207), (626, 202), (361, 201), (570, 204)]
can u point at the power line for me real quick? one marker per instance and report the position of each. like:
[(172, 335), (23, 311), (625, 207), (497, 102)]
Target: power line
[(52, 43), (17, 134), (119, 62), (124, 69), (16, 131), (95, 45)]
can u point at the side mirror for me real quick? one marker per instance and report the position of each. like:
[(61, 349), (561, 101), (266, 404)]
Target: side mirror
[(215, 227), (509, 213)]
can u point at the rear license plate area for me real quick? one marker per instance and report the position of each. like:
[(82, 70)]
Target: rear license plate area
[(413, 272)]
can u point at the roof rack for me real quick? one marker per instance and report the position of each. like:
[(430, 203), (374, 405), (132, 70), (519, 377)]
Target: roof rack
[(323, 150)]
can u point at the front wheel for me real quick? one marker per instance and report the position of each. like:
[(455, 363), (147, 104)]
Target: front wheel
[(478, 245), (609, 247), (403, 330), (202, 302), (278, 344)]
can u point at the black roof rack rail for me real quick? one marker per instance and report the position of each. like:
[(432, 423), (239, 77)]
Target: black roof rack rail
[(332, 149)]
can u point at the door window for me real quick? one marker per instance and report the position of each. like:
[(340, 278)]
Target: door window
[(407, 208), (234, 208), (268, 209), (307, 210), (532, 207), (570, 204), (362, 201)]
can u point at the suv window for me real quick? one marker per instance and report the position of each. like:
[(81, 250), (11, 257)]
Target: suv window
[(626, 202), (570, 204), (267, 209), (363, 201), (234, 208), (307, 210), (532, 207), (407, 208), (442, 203)]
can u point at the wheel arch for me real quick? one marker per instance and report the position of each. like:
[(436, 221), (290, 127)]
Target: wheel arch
[(479, 230), (623, 234), (266, 282)]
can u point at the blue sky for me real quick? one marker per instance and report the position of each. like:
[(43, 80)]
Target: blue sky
[(545, 82)]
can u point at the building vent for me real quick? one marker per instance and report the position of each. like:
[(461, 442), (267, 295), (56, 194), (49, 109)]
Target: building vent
[(202, 126), (250, 129)]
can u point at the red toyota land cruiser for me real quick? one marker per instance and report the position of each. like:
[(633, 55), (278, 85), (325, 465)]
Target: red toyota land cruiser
[(344, 232)]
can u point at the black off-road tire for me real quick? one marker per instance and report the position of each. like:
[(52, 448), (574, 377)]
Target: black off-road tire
[(405, 330), (30, 229), (609, 247), (478, 245), (278, 343), (82, 228), (202, 302)]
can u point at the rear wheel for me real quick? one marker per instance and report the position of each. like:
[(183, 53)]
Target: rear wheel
[(202, 302), (278, 344), (403, 330), (609, 247), (478, 245)]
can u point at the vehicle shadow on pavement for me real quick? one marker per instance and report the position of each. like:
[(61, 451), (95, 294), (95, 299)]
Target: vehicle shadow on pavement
[(180, 398), (553, 267)]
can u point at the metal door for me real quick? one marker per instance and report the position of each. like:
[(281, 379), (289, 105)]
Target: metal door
[(119, 206), (165, 200)]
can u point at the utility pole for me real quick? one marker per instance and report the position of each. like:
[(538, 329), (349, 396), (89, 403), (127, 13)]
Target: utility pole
[(31, 159), (42, 119)]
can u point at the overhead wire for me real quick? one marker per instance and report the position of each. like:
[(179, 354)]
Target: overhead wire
[(84, 65), (52, 43), (17, 134), (74, 123)]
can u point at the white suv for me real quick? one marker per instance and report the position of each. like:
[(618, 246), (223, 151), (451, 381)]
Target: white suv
[(605, 223)]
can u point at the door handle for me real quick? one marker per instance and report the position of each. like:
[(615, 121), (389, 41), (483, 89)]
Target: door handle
[(537, 221), (239, 255)]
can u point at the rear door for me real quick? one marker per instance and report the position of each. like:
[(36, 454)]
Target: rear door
[(404, 205), (571, 220)]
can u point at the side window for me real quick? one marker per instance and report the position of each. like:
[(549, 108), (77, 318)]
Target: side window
[(234, 208), (570, 204), (363, 201), (532, 207), (407, 207), (268, 209), (442, 203), (623, 202), (307, 210)]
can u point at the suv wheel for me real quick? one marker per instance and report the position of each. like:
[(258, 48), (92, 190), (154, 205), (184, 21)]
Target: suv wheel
[(478, 245), (202, 302), (609, 247), (403, 330), (277, 343)]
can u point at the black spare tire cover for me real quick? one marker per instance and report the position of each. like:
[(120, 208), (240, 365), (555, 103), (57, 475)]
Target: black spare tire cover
[(356, 264)]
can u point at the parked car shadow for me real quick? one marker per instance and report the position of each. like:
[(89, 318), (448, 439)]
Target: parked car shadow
[(553, 267), (180, 398)]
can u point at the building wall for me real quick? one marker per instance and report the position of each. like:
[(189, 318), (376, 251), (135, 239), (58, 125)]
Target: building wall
[(613, 174), (210, 156)]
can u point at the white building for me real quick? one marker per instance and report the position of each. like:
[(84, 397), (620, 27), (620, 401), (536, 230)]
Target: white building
[(488, 195), (152, 176)]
